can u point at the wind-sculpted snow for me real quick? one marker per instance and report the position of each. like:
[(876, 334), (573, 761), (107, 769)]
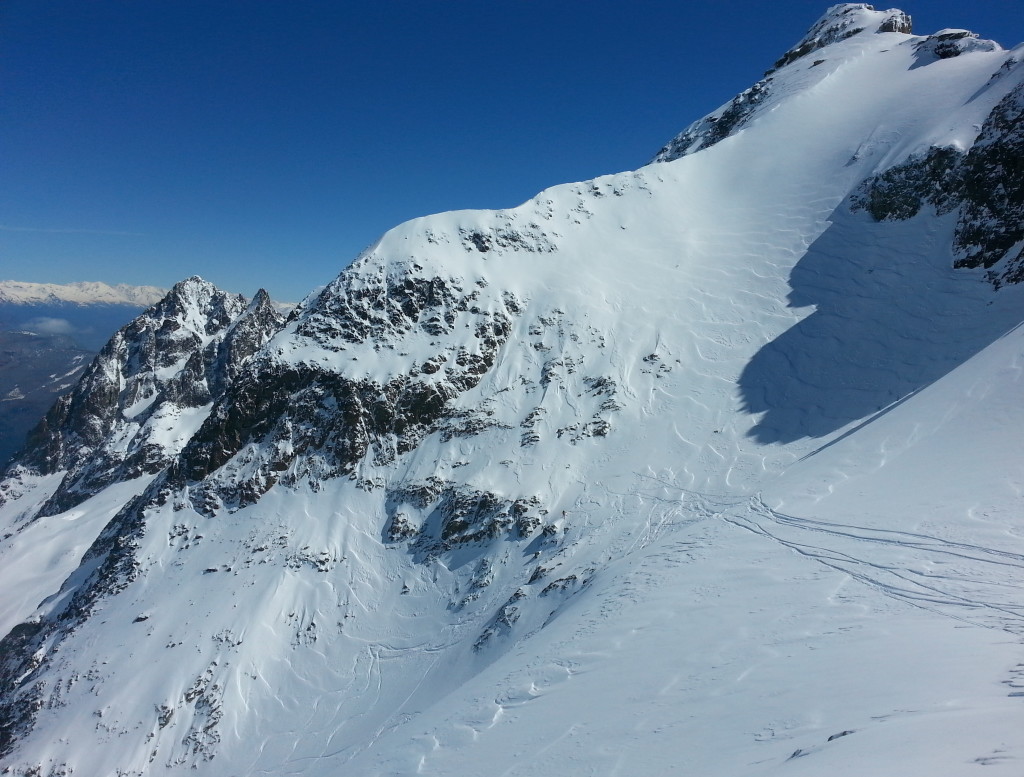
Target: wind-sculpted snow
[(668, 472), (847, 360), (889, 317)]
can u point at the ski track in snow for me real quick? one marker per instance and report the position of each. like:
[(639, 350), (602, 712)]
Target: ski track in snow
[(959, 580), (683, 533)]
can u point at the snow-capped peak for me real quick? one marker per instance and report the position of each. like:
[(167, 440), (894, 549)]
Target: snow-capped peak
[(843, 21), (149, 390)]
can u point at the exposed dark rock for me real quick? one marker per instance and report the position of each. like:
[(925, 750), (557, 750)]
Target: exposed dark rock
[(28, 649), (901, 191), (400, 528), (532, 240), (16, 719), (986, 184), (841, 22), (420, 495), (468, 423), (360, 307), (456, 515), (177, 356), (561, 584), (292, 420), (718, 126), (317, 424), (991, 220), (841, 734), (502, 622), (898, 21), (948, 44)]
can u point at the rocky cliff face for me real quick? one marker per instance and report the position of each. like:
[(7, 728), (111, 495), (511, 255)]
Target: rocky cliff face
[(148, 390), (302, 420), (48, 335), (131, 413), (984, 186)]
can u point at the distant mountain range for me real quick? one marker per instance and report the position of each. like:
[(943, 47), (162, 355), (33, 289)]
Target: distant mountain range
[(87, 313), (85, 294)]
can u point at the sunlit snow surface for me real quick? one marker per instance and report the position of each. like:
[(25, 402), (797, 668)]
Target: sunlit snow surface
[(798, 551)]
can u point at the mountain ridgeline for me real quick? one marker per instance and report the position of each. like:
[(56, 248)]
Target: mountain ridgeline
[(277, 545)]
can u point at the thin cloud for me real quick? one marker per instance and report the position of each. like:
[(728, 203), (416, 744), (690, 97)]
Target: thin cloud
[(45, 325), (7, 228)]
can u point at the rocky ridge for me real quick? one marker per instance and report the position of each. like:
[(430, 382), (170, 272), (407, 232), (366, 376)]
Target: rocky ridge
[(146, 392)]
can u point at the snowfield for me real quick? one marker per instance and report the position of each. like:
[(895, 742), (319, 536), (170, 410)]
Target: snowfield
[(727, 482)]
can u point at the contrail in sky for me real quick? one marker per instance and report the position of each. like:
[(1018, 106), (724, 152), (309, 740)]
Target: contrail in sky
[(6, 228)]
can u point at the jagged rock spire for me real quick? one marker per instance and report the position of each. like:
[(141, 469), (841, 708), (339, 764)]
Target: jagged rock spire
[(169, 363)]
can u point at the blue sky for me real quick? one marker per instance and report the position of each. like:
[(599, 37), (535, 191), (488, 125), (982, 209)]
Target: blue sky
[(265, 143)]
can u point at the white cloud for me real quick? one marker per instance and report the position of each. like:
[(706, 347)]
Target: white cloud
[(45, 325)]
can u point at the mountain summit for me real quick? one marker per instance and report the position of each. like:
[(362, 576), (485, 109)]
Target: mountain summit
[(709, 467)]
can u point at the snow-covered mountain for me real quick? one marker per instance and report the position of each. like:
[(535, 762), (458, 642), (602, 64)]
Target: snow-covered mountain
[(49, 334), (712, 467), (85, 293)]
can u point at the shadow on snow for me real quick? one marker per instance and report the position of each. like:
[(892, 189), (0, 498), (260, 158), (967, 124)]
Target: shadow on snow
[(891, 316)]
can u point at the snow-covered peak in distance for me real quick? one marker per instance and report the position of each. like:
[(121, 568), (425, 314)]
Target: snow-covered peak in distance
[(641, 476), (84, 293), (860, 28)]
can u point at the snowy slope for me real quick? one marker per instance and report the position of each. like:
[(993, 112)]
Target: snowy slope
[(694, 469)]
